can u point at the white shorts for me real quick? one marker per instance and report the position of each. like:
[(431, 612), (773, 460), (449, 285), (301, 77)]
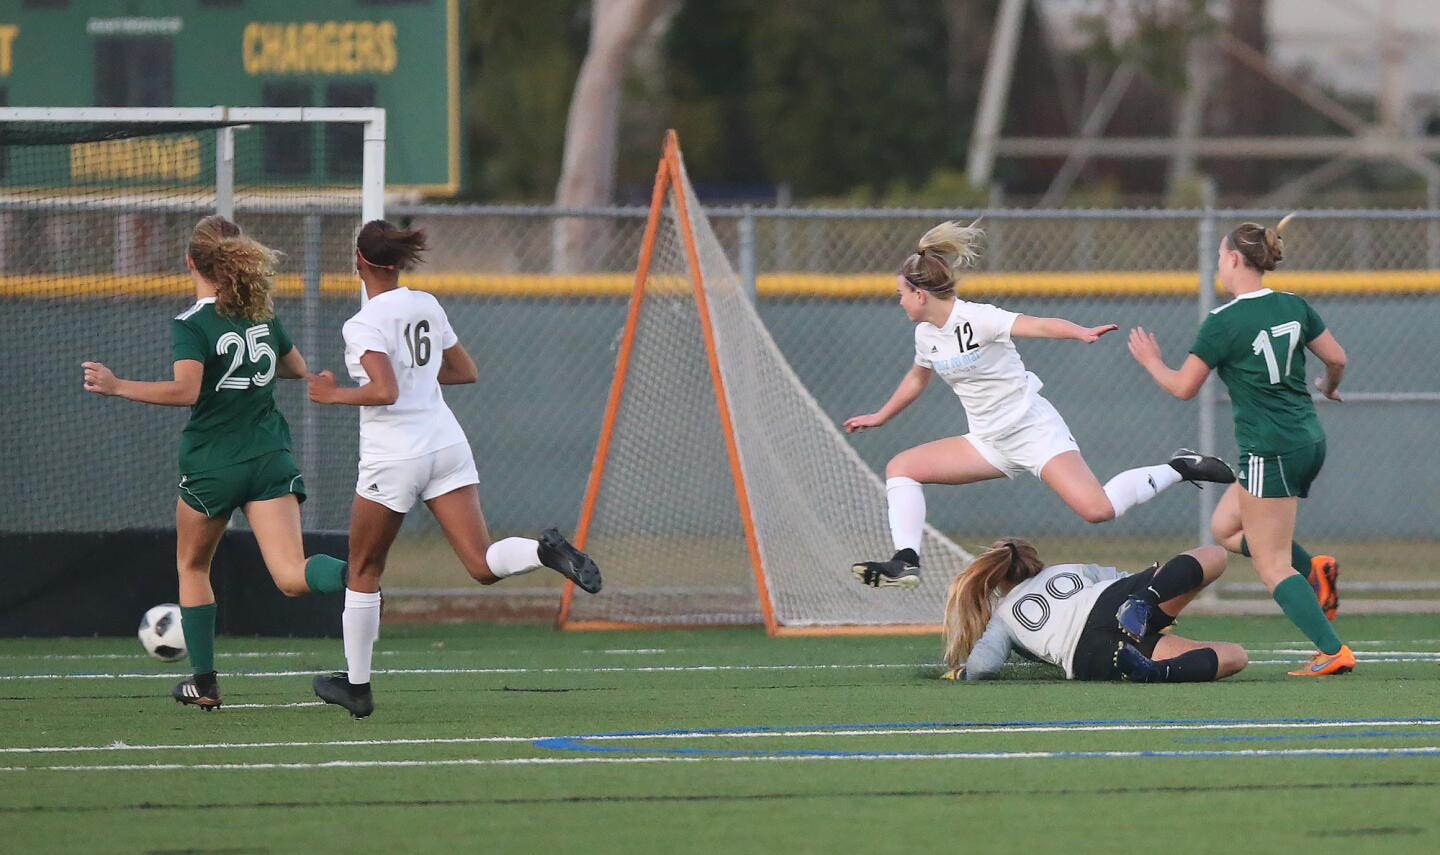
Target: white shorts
[(1034, 441), (396, 484)]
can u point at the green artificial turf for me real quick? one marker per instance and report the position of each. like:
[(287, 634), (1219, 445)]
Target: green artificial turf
[(418, 777)]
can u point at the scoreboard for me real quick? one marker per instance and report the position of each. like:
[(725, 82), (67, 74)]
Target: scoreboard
[(402, 55)]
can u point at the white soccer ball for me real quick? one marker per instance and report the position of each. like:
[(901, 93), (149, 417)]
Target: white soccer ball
[(161, 634)]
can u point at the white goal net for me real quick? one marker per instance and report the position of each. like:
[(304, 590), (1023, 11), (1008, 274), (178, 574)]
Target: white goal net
[(664, 521)]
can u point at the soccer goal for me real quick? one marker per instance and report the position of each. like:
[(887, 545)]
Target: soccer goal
[(721, 492), (96, 210)]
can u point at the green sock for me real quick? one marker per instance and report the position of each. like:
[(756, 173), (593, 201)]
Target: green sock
[(1299, 557), (198, 624), (325, 574), (1297, 600)]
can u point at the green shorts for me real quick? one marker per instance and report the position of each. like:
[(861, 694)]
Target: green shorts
[(1276, 476), (218, 492)]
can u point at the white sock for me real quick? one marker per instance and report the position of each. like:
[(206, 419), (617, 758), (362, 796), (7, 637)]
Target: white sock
[(513, 556), (361, 621), (1137, 486), (907, 512)]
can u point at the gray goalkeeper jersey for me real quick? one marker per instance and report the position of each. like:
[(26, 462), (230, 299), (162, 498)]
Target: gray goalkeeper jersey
[(1041, 618)]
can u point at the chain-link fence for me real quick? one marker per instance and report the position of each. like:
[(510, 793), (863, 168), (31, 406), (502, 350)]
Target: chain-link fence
[(539, 297)]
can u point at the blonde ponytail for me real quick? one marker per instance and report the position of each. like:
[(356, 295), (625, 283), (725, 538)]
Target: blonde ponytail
[(241, 268), (942, 253), (1008, 562)]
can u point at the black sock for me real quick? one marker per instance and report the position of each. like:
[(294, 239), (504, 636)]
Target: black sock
[(906, 555), (1194, 666), (206, 682), (1180, 575)]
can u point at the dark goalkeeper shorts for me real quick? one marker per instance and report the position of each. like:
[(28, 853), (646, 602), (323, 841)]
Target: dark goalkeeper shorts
[(218, 492), (1095, 650)]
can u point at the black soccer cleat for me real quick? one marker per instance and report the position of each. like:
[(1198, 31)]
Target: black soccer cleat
[(200, 690), (901, 571), (1195, 467), (1136, 666), (338, 690), (557, 554), (1133, 616)]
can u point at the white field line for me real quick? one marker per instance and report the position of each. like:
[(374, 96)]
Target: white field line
[(274, 706), (780, 734), (246, 654), (1372, 657), (613, 669), (1423, 750)]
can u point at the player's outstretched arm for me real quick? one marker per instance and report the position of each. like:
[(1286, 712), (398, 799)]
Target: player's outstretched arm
[(1329, 351), (180, 392), (1184, 383), (456, 366), (911, 385), (382, 390), (292, 365), (1028, 327)]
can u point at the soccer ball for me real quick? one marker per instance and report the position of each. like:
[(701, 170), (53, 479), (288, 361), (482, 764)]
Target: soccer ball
[(160, 632)]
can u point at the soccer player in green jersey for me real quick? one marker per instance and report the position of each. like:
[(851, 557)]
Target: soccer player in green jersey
[(1255, 343), (235, 450)]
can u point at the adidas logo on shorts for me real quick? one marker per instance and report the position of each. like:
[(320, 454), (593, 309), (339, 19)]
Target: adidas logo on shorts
[(934, 349), (373, 488)]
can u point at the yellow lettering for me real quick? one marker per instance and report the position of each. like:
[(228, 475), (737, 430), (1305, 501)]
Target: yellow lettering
[(252, 48), (165, 159), (364, 45), (309, 45), (312, 47), (293, 60), (345, 47), (8, 32), (329, 55), (388, 54)]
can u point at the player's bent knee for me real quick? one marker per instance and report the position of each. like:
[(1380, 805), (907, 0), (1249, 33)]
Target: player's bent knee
[(1096, 512), (1233, 659), (896, 468), (293, 587)]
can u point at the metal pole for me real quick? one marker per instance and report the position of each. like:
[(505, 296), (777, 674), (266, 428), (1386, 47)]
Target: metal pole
[(995, 91), (1209, 394), (225, 172), (372, 176), (1432, 229), (747, 253), (995, 230), (310, 346)]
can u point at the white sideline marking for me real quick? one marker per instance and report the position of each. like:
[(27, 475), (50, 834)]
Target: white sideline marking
[(245, 654), (270, 706), (763, 758), (638, 651), (1369, 657), (614, 669), (785, 734)]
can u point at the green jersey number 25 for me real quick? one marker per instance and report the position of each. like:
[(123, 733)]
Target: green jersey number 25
[(248, 349), (1262, 346)]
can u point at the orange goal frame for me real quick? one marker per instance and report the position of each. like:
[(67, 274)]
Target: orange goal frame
[(668, 176)]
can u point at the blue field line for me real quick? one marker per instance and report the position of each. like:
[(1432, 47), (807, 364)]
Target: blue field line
[(1280, 737), (584, 742)]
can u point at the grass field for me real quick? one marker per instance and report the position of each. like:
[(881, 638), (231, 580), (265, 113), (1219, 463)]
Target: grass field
[(520, 739)]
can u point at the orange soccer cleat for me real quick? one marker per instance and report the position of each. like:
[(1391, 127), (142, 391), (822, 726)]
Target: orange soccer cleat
[(1325, 664), (1324, 577)]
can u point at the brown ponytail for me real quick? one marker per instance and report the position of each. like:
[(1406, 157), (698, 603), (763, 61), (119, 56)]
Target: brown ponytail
[(1263, 249), (240, 268), (942, 252), (388, 247), (1008, 562)]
